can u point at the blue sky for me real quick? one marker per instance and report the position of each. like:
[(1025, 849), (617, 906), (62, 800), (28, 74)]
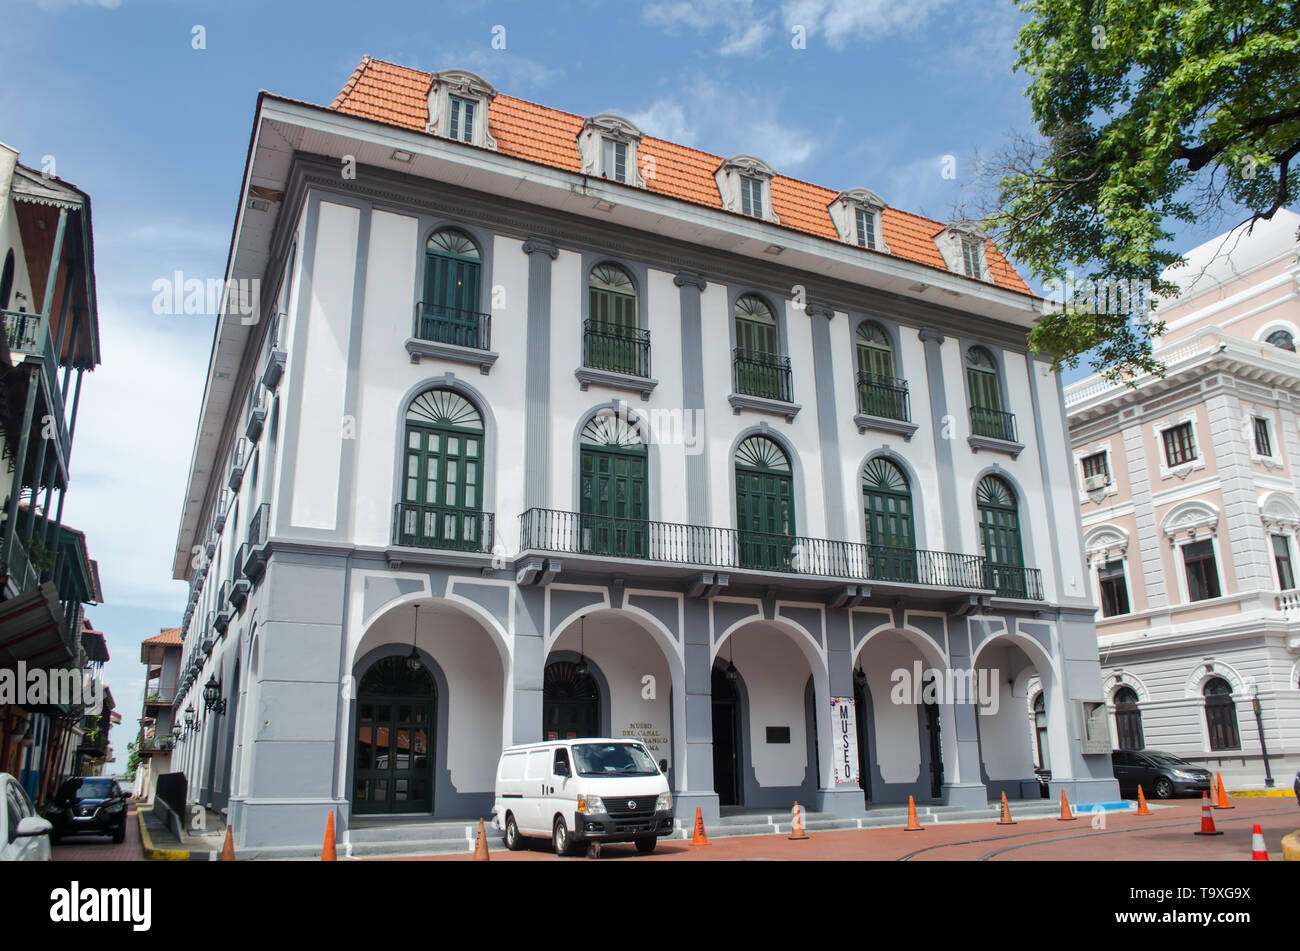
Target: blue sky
[(157, 132)]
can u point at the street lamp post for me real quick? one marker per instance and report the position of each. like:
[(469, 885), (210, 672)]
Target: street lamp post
[(1259, 725)]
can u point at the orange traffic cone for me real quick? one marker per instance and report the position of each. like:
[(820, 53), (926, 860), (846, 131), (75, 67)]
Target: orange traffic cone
[(1066, 815), (329, 853), (1005, 819), (480, 845), (1207, 820), (796, 823), (1142, 804), (1223, 801), (1258, 850), (913, 824), (699, 838), (228, 848)]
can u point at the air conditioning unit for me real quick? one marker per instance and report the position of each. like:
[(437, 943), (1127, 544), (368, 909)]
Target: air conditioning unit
[(1094, 482)]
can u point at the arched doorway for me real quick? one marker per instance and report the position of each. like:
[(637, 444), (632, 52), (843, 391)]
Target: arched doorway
[(393, 766), (891, 535), (442, 498), (999, 523), (1128, 719), (862, 704), (764, 504), (726, 735), (570, 701), (1040, 732), (613, 492)]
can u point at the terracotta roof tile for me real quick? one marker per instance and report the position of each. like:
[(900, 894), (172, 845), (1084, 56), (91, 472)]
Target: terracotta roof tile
[(170, 636), (397, 95)]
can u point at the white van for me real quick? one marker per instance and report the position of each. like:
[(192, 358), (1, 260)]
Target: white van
[(582, 790)]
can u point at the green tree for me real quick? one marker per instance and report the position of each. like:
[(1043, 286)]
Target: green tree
[(1148, 112), (132, 759)]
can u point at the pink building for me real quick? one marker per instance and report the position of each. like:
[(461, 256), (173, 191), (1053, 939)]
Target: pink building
[(1187, 489)]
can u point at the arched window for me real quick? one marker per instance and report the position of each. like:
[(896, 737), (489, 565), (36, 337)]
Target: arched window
[(986, 415), (1221, 715), (1281, 339), (880, 392), (764, 505), (891, 536), (612, 490), (1000, 537), (1128, 719), (613, 339), (760, 370), (7, 280), (449, 312), (442, 484)]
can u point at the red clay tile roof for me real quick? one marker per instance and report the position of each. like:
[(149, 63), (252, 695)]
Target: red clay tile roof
[(169, 636), (398, 95)]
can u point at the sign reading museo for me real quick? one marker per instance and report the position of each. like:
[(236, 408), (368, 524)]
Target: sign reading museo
[(844, 723)]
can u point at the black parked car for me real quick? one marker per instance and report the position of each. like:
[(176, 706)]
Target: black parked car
[(89, 805), (1162, 775)]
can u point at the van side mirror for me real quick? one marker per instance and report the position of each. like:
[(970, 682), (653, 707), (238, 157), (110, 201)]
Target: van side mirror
[(663, 766), (561, 768)]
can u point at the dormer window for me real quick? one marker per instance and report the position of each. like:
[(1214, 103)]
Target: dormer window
[(458, 107), (751, 196), (608, 146), (972, 257), (856, 215), (462, 119), (743, 185), (962, 246)]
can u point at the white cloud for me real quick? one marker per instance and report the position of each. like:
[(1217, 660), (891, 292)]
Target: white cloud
[(729, 122), (744, 31), (509, 72), (842, 21)]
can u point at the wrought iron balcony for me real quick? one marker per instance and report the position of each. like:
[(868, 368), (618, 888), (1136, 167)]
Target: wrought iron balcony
[(993, 423), (1009, 581), (615, 350), (883, 396), (711, 547), (28, 334), (460, 328), (156, 744), (441, 527), (761, 374), (159, 696)]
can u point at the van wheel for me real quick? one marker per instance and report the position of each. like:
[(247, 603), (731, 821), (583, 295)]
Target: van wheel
[(512, 834), (1164, 788), (645, 846), (560, 838)]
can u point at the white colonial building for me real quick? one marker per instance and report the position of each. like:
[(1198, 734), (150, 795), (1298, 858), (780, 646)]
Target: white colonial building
[(546, 427), (1188, 494)]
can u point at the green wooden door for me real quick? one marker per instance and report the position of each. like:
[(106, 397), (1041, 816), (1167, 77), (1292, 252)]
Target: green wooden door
[(877, 387), (613, 500), (764, 506), (1000, 536), (758, 370), (442, 497), (612, 336), (891, 534), (452, 282), (394, 754)]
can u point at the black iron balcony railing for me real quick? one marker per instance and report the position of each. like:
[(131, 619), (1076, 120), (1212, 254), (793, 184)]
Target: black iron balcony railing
[(1011, 581), (463, 328), (438, 526), (605, 347), (706, 546), (884, 396), (993, 423), (761, 374)]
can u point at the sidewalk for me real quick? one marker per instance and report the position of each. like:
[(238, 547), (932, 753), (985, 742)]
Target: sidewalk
[(161, 844)]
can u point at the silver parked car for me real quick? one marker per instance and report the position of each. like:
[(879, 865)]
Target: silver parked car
[(24, 836)]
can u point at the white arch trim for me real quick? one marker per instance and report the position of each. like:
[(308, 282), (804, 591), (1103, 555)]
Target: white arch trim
[(1194, 685), (922, 641), (1124, 678), (1194, 517)]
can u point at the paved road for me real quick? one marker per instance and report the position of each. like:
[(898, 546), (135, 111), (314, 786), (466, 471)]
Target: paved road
[(1167, 834), (102, 848)]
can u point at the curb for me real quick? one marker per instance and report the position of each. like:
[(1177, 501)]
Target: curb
[(1291, 847), (155, 854), (1260, 793)]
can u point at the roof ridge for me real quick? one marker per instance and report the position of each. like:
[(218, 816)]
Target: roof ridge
[(351, 83)]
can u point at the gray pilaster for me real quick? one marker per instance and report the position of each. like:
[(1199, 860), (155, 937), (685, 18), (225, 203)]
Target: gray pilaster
[(827, 425), (1240, 526), (529, 664), (697, 467), (699, 718), (968, 792), (1149, 542), (537, 376), (949, 506)]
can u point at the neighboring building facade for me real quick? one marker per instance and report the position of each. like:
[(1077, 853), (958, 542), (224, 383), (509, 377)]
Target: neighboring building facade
[(159, 730), (545, 427), (48, 304), (1188, 494)]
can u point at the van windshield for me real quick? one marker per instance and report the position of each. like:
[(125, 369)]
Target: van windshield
[(613, 759)]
